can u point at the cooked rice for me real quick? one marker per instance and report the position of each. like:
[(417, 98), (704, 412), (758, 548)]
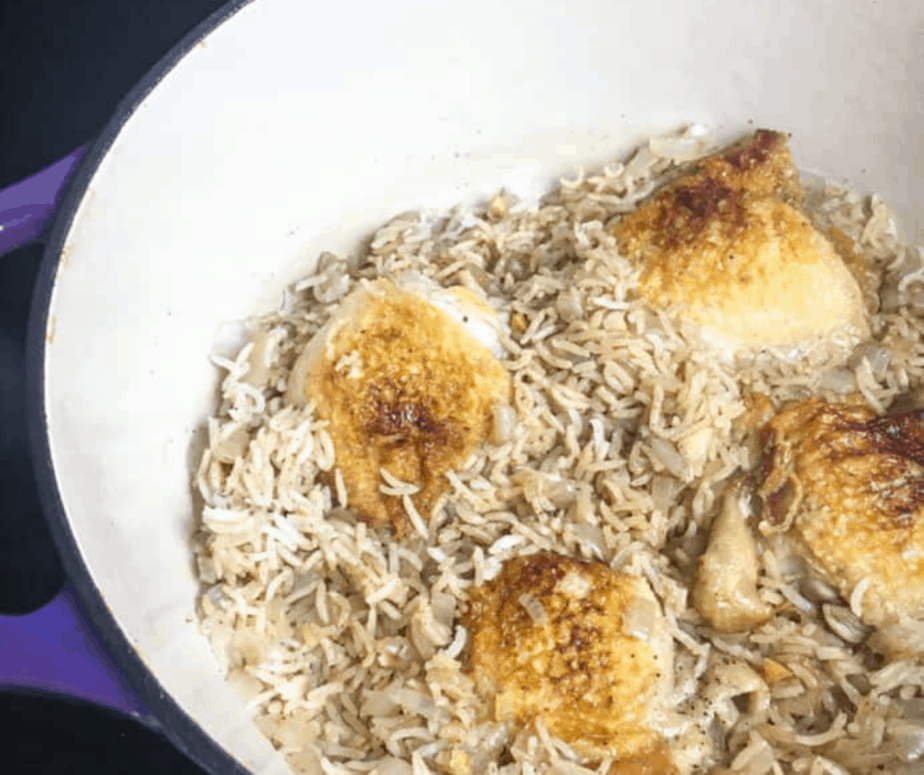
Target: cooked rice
[(621, 440)]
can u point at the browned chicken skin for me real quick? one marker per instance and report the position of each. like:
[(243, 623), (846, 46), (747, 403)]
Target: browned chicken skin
[(582, 647), (728, 247), (404, 387), (850, 487)]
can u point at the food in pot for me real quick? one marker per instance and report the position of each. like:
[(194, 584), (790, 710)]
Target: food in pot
[(391, 604), (725, 588), (577, 645), (408, 376), (845, 488), (731, 249)]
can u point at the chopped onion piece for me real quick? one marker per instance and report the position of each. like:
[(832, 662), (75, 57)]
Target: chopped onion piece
[(534, 608)]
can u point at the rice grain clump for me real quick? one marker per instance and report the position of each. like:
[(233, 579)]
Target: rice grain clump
[(624, 442)]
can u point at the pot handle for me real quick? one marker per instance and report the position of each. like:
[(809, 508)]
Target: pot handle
[(56, 650), (27, 207)]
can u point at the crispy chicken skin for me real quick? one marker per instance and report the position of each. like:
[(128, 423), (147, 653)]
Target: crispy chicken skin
[(848, 487), (579, 645), (404, 387), (729, 248)]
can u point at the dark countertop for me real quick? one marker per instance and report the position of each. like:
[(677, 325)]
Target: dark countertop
[(67, 65)]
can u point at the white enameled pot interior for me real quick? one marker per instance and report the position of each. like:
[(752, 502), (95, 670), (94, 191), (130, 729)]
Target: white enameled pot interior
[(297, 127)]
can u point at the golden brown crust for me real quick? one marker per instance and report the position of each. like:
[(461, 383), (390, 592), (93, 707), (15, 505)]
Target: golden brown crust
[(406, 388), (729, 246), (712, 202), (714, 198), (549, 634), (851, 486)]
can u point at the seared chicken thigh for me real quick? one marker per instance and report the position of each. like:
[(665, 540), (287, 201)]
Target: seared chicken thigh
[(729, 249)]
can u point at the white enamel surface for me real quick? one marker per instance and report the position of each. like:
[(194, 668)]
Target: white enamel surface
[(299, 127)]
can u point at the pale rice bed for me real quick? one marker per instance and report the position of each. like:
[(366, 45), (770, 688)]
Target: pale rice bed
[(348, 644)]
